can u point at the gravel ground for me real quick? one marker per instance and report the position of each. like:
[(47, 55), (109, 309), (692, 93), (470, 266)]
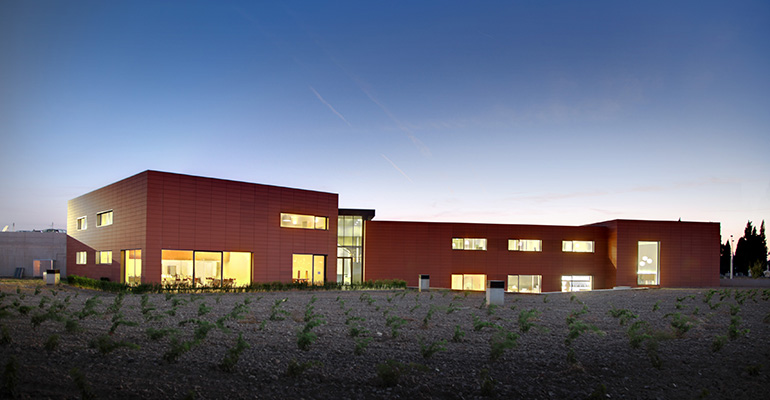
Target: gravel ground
[(670, 365)]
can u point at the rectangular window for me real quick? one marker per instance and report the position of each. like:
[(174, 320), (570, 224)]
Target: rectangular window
[(132, 265), (81, 257), (82, 224), (525, 245), (525, 283), (647, 267), (477, 282), (469, 244), (104, 218), (304, 221), (104, 257), (577, 246), (308, 268), (576, 283)]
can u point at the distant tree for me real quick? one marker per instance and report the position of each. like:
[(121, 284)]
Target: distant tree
[(751, 251), (724, 258)]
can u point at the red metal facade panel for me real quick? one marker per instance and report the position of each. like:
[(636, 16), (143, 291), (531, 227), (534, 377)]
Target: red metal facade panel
[(127, 199), (404, 250), (157, 210), (689, 251)]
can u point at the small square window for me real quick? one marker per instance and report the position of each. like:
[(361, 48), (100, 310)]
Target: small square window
[(81, 257), (82, 224), (104, 218), (104, 257)]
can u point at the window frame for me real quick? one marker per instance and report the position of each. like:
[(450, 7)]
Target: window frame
[(99, 257), (315, 219), (99, 223), (572, 246), (521, 245), (81, 257), (469, 246), (84, 225)]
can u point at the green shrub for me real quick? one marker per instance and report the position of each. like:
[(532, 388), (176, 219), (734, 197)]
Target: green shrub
[(623, 314), (718, 343), (305, 339), (429, 315), (233, 354), (105, 344), (361, 344), (11, 376), (680, 323), (157, 334), (395, 323), (177, 349), (203, 309), (5, 335), (82, 384), (356, 331), (276, 312), (295, 369), (501, 341), (458, 335), (486, 382), (429, 350), (390, 372), (525, 316), (117, 320), (478, 324), (52, 343)]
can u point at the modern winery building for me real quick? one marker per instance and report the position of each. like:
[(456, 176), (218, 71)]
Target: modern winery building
[(159, 227)]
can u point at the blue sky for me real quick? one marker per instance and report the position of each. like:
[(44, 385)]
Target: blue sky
[(508, 112)]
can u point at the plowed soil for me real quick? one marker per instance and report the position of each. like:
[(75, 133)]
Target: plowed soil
[(601, 361)]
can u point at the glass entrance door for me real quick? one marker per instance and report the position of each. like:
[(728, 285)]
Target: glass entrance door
[(344, 270), (132, 265)]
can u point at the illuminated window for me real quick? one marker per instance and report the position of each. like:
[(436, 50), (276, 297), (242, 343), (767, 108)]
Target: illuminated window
[(82, 224), (104, 218), (205, 268), (308, 268), (525, 245), (469, 244), (132, 265), (81, 257), (525, 283), (304, 221), (647, 266), (577, 246), (104, 257), (475, 282), (576, 283)]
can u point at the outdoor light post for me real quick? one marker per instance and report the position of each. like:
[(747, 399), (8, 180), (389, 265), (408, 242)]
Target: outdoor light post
[(732, 243)]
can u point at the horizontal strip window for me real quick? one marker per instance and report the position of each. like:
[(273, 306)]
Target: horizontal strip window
[(82, 223), (104, 218), (104, 257), (304, 221), (577, 246), (469, 244), (525, 245), (525, 283), (576, 283), (476, 282), (81, 257)]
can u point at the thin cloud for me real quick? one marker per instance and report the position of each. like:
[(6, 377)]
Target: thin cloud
[(329, 105), (417, 142), (397, 168), (637, 189)]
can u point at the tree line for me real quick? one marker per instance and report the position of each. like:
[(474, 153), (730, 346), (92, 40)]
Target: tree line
[(750, 253)]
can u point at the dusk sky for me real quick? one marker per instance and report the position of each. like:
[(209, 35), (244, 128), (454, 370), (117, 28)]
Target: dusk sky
[(517, 112)]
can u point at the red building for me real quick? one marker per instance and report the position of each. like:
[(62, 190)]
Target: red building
[(158, 227)]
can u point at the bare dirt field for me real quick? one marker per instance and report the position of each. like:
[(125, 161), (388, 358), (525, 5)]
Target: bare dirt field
[(61, 343)]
